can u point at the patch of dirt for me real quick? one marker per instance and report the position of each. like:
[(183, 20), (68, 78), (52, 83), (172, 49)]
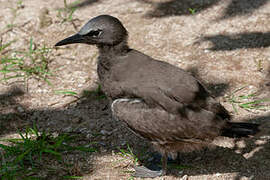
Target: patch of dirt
[(226, 44)]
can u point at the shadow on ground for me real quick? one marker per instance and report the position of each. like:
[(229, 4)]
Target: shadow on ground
[(215, 89), (242, 7), (267, 80), (177, 8), (238, 41), (10, 117), (90, 115), (185, 7)]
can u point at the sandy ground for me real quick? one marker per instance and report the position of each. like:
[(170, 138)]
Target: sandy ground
[(225, 44)]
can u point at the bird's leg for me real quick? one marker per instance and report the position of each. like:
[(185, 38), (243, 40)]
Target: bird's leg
[(178, 159), (164, 163)]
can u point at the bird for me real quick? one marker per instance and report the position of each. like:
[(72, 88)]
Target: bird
[(158, 101)]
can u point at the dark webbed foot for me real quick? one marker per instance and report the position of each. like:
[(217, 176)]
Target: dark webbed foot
[(143, 172)]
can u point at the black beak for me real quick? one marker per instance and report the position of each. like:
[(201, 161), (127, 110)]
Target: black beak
[(77, 38)]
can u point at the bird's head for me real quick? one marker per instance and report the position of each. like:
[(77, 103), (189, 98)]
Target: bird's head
[(101, 30)]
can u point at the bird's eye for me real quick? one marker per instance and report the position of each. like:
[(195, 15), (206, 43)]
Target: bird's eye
[(94, 33)]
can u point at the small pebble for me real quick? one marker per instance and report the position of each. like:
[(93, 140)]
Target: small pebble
[(20, 109), (102, 143), (76, 120), (68, 129), (89, 135), (83, 130), (185, 177), (123, 143), (104, 132), (181, 173)]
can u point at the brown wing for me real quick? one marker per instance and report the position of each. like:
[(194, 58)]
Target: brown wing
[(159, 84), (158, 125)]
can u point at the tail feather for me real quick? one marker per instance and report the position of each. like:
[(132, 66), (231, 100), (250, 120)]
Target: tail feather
[(235, 129)]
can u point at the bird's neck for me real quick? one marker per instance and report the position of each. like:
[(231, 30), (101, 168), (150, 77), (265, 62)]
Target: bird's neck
[(109, 55), (113, 50)]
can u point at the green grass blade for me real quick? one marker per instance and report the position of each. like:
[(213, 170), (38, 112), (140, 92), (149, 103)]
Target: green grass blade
[(11, 77), (254, 104), (71, 14), (31, 46), (247, 96), (4, 147), (52, 152), (21, 156), (66, 92), (72, 177), (2, 47)]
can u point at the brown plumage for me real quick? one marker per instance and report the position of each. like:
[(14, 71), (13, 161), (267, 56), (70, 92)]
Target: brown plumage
[(157, 100)]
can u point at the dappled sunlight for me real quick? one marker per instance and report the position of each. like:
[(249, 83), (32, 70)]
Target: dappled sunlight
[(224, 44), (254, 146)]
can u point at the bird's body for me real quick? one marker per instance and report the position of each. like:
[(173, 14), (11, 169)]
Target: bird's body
[(163, 103), (157, 100)]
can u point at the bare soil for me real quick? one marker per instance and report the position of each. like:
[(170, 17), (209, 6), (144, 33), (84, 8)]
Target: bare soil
[(225, 44)]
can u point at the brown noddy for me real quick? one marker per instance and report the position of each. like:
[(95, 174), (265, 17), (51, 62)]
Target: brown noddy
[(158, 101)]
